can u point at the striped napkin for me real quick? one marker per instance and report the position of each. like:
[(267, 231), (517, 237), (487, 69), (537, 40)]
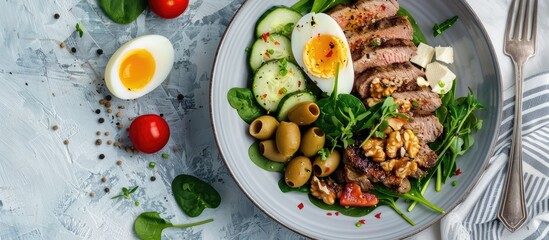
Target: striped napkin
[(476, 217)]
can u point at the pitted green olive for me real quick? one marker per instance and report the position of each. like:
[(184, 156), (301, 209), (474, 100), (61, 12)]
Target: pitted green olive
[(268, 149), (304, 113), (312, 141), (323, 168), (263, 127), (288, 138), (298, 171)]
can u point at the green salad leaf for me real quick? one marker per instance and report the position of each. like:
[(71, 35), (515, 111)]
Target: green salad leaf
[(242, 99), (194, 195), (418, 34), (317, 6), (261, 161), (149, 225), (285, 188), (439, 28), (123, 11)]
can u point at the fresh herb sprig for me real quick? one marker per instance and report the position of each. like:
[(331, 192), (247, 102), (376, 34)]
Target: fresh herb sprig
[(383, 111), (149, 225), (439, 28), (80, 29), (126, 193)]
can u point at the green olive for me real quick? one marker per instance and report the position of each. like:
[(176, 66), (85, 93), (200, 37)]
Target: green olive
[(288, 138), (268, 149), (298, 172), (323, 168), (263, 127), (304, 113), (312, 141)]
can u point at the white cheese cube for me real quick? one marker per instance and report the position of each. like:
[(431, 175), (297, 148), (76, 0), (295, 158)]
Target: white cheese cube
[(445, 54), (440, 77), (422, 82), (424, 55)]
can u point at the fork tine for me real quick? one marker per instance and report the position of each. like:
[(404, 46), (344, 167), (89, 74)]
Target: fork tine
[(526, 22), (518, 18), (509, 20), (534, 22)]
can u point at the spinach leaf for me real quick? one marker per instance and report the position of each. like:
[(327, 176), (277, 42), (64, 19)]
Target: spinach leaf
[(149, 225), (242, 99), (317, 6), (123, 11), (347, 211), (285, 188), (439, 28), (262, 162), (194, 195), (418, 34)]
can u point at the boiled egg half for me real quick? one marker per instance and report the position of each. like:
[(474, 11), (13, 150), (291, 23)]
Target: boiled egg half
[(319, 47), (139, 66)]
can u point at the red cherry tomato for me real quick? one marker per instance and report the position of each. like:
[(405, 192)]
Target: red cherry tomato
[(353, 196), (149, 133), (168, 8)]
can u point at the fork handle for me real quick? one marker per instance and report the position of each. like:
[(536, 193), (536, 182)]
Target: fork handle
[(512, 209)]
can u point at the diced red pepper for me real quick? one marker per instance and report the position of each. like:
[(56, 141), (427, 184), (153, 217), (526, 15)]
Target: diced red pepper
[(337, 213), (458, 172), (362, 221), (329, 214), (378, 215), (277, 43), (330, 53), (267, 54), (265, 36), (300, 206), (353, 196), (383, 7)]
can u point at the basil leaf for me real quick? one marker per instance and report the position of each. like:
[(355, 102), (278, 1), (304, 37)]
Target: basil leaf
[(123, 11), (194, 195)]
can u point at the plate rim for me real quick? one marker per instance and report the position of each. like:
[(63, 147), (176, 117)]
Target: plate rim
[(490, 154)]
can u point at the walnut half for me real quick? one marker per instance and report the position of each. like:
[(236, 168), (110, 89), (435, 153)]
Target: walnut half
[(374, 148), (394, 143), (411, 143), (320, 190)]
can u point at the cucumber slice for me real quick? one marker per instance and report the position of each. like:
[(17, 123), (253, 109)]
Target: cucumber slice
[(271, 47), (278, 19), (269, 86), (292, 99)]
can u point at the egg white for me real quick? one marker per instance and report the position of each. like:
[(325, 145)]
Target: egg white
[(324, 24), (162, 52)]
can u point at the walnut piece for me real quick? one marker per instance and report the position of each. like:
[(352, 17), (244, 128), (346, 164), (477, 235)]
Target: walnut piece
[(320, 190), (411, 143), (396, 123), (404, 105), (406, 169), (374, 148), (394, 143), (372, 101), (380, 90)]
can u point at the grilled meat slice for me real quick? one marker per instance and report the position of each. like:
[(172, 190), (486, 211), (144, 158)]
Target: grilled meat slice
[(352, 175), (426, 101), (403, 73), (426, 157), (396, 27), (355, 158), (388, 52), (426, 127), (363, 12)]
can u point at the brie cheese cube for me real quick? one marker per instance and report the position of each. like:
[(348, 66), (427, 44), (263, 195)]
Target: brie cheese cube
[(445, 54), (440, 77), (424, 55), (422, 82)]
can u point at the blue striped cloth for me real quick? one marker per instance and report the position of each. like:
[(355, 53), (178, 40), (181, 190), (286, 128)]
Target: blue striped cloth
[(476, 217)]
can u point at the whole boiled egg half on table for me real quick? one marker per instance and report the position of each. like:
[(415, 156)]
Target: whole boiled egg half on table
[(139, 66), (319, 47)]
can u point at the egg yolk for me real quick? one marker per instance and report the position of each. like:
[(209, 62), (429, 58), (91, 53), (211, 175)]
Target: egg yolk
[(137, 69), (323, 53)]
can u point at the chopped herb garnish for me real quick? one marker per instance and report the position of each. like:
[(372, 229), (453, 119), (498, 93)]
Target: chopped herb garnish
[(152, 164), (324, 153), (415, 104), (283, 67), (165, 155), (454, 183), (270, 51), (80, 29), (375, 43), (439, 28)]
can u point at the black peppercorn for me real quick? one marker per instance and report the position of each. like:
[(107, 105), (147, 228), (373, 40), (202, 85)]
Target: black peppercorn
[(108, 98), (73, 49), (99, 51), (56, 16), (101, 120), (97, 111), (101, 156)]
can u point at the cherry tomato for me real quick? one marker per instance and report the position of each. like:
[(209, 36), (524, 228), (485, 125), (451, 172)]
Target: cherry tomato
[(168, 8), (353, 196), (149, 133)]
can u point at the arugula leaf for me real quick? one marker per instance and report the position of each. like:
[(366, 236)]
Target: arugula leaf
[(439, 28), (414, 194), (384, 110), (123, 11), (149, 225), (242, 99), (194, 195)]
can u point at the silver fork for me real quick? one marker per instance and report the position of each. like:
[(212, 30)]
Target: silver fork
[(520, 45)]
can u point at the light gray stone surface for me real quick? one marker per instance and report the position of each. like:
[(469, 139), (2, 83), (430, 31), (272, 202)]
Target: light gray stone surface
[(45, 185)]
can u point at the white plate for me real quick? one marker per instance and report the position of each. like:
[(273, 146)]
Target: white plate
[(476, 68)]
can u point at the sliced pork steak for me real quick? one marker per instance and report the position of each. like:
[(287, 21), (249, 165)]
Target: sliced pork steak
[(363, 12), (426, 127), (396, 27), (425, 101), (388, 52), (402, 73)]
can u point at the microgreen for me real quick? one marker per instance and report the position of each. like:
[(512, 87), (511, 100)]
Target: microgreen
[(382, 112), (126, 193), (149, 225), (283, 67)]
